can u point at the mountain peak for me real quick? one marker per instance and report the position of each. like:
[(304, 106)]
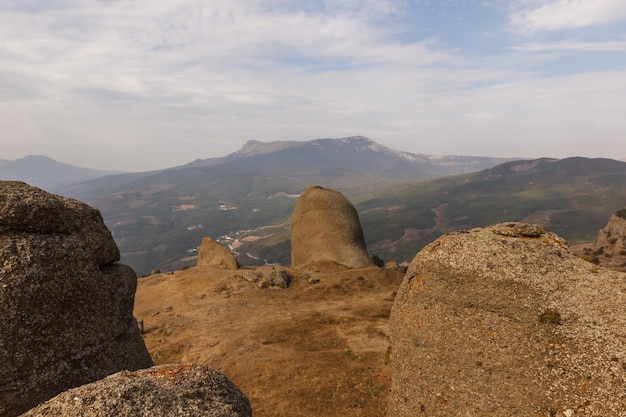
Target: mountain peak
[(363, 143), (47, 173), (256, 147), (35, 158)]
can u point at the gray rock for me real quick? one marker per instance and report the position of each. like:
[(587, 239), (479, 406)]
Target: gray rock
[(161, 391), (65, 304), (265, 278), (277, 278), (504, 321), (253, 276), (325, 228)]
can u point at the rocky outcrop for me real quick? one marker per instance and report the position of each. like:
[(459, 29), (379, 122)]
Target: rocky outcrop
[(214, 255), (161, 391), (504, 321), (65, 303), (609, 250), (268, 277), (325, 228)]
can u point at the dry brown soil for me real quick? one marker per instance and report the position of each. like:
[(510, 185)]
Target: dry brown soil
[(317, 348)]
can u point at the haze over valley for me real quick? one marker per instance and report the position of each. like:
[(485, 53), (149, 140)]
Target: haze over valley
[(405, 200)]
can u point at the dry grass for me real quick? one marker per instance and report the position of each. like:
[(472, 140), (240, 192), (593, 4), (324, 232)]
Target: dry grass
[(310, 350)]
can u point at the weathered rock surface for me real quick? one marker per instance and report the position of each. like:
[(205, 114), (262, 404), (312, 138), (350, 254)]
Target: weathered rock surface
[(325, 228), (160, 391), (609, 250), (505, 321), (65, 304), (215, 255), (268, 277)]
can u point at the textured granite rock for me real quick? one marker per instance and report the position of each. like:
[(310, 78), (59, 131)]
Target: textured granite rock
[(325, 228), (504, 321), (160, 391), (214, 255), (65, 303)]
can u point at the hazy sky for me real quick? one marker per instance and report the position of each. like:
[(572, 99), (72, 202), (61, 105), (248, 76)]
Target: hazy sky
[(146, 84)]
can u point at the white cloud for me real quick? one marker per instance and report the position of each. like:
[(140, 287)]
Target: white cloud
[(571, 46), (543, 15), (171, 81)]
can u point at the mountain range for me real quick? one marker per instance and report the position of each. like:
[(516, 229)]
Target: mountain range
[(245, 199), (318, 159), (160, 217), (46, 173)]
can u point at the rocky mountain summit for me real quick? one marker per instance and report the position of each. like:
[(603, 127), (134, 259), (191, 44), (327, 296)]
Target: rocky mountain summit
[(161, 391), (301, 340), (495, 321), (505, 320)]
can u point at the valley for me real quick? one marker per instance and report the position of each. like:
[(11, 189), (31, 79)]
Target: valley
[(404, 200), (572, 197)]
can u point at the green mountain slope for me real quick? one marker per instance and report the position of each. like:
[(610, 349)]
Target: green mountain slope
[(572, 197)]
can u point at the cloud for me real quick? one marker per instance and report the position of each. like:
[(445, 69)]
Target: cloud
[(547, 15), (154, 84), (571, 46)]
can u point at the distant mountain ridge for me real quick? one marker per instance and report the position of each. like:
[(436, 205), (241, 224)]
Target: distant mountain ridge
[(358, 150), (404, 200), (319, 160), (46, 173)]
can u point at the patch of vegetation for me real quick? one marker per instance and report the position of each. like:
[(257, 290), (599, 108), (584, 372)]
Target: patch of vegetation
[(378, 261), (621, 213)]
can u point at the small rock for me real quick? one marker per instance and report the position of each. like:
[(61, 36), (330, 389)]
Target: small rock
[(214, 255), (253, 276)]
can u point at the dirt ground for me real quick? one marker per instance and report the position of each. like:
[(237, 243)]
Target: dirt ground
[(317, 348)]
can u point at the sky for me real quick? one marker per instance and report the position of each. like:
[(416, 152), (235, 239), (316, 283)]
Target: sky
[(137, 85)]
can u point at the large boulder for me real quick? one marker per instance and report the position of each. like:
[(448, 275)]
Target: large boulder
[(161, 391), (505, 321), (325, 227), (214, 255), (65, 303)]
